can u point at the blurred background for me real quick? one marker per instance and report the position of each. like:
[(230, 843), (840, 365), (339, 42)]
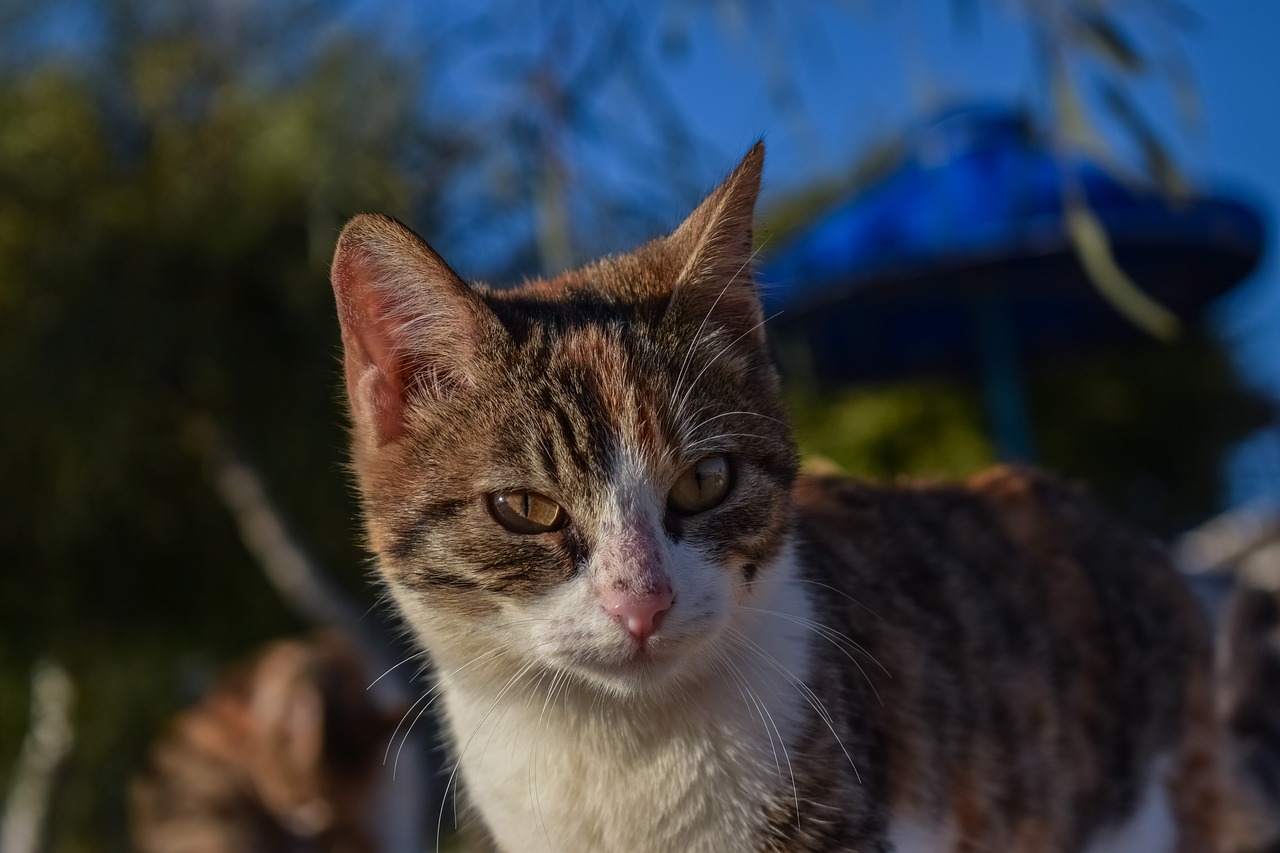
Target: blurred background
[(991, 229)]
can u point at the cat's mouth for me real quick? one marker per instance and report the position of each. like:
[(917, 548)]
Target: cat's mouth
[(604, 650), (630, 666), (630, 658)]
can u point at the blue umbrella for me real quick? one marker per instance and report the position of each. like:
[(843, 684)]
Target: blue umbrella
[(959, 260)]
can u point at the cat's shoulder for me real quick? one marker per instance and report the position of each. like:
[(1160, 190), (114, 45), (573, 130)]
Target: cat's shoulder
[(1013, 483), (1022, 498), (1016, 517)]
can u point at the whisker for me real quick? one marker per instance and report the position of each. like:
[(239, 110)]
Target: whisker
[(834, 589), (387, 752), (435, 689), (462, 754), (557, 681), (721, 436), (684, 399), (762, 711), (805, 690), (706, 421), (826, 631), (839, 592), (835, 638), (394, 667), (698, 334), (532, 693)]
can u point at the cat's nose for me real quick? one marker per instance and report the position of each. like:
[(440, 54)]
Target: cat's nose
[(641, 615)]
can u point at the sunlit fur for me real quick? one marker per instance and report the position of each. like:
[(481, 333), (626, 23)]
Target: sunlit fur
[(995, 665)]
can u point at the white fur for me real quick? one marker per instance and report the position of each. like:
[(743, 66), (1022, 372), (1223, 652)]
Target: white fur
[(1150, 829), (915, 835), (582, 761)]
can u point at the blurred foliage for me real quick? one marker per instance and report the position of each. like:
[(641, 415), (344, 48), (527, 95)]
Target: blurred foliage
[(1145, 428), (171, 184), (929, 428), (164, 235)]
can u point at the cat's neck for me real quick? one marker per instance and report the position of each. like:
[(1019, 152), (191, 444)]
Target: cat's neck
[(709, 751)]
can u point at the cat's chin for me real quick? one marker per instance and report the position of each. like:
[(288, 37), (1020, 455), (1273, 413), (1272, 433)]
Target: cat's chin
[(634, 672)]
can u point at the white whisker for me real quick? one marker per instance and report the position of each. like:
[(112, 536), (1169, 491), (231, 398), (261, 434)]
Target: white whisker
[(721, 437), (511, 682), (694, 384), (394, 666), (557, 681), (706, 421), (433, 694), (838, 592), (805, 690), (698, 334), (766, 718), (836, 639)]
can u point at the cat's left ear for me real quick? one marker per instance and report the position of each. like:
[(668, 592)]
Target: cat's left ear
[(411, 328), (716, 280)]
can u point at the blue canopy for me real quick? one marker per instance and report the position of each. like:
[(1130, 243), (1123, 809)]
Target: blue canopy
[(889, 282)]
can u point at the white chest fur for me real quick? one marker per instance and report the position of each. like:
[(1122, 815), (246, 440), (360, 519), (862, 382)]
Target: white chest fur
[(557, 767)]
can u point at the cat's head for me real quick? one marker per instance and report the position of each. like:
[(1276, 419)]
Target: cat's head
[(592, 472)]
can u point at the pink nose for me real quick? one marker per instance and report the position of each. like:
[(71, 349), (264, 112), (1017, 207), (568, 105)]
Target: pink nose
[(641, 615)]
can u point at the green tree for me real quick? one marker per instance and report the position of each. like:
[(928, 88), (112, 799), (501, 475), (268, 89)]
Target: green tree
[(165, 226)]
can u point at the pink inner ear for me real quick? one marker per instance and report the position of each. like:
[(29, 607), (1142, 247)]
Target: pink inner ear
[(375, 369), (410, 326)]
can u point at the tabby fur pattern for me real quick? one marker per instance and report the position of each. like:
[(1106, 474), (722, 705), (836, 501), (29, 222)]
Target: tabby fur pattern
[(810, 664)]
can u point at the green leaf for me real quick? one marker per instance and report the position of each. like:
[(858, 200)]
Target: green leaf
[(1093, 249)]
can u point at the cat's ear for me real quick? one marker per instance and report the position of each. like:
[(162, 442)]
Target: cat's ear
[(716, 281), (410, 326)]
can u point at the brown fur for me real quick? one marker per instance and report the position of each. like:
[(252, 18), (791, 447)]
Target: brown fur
[(1050, 655)]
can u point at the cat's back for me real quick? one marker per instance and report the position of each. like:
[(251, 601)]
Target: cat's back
[(1040, 674), (1010, 540)]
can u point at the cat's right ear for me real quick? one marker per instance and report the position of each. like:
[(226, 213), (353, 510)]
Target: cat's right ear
[(410, 326), (714, 243)]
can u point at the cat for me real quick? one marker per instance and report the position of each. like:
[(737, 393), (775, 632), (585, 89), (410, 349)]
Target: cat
[(650, 633), (281, 755)]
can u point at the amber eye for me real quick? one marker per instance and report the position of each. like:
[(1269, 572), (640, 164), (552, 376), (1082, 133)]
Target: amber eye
[(701, 487), (527, 512)]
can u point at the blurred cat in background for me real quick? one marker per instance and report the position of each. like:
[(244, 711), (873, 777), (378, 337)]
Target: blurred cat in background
[(281, 756)]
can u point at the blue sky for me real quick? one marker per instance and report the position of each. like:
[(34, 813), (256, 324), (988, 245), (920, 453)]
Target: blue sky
[(866, 74), (864, 69)]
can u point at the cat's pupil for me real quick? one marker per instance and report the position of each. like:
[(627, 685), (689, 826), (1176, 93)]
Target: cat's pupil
[(701, 487), (527, 512)]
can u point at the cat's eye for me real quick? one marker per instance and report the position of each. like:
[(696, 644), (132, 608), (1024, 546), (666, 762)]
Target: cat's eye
[(702, 486), (527, 512)]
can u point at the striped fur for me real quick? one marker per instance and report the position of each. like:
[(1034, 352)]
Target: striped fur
[(992, 666)]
